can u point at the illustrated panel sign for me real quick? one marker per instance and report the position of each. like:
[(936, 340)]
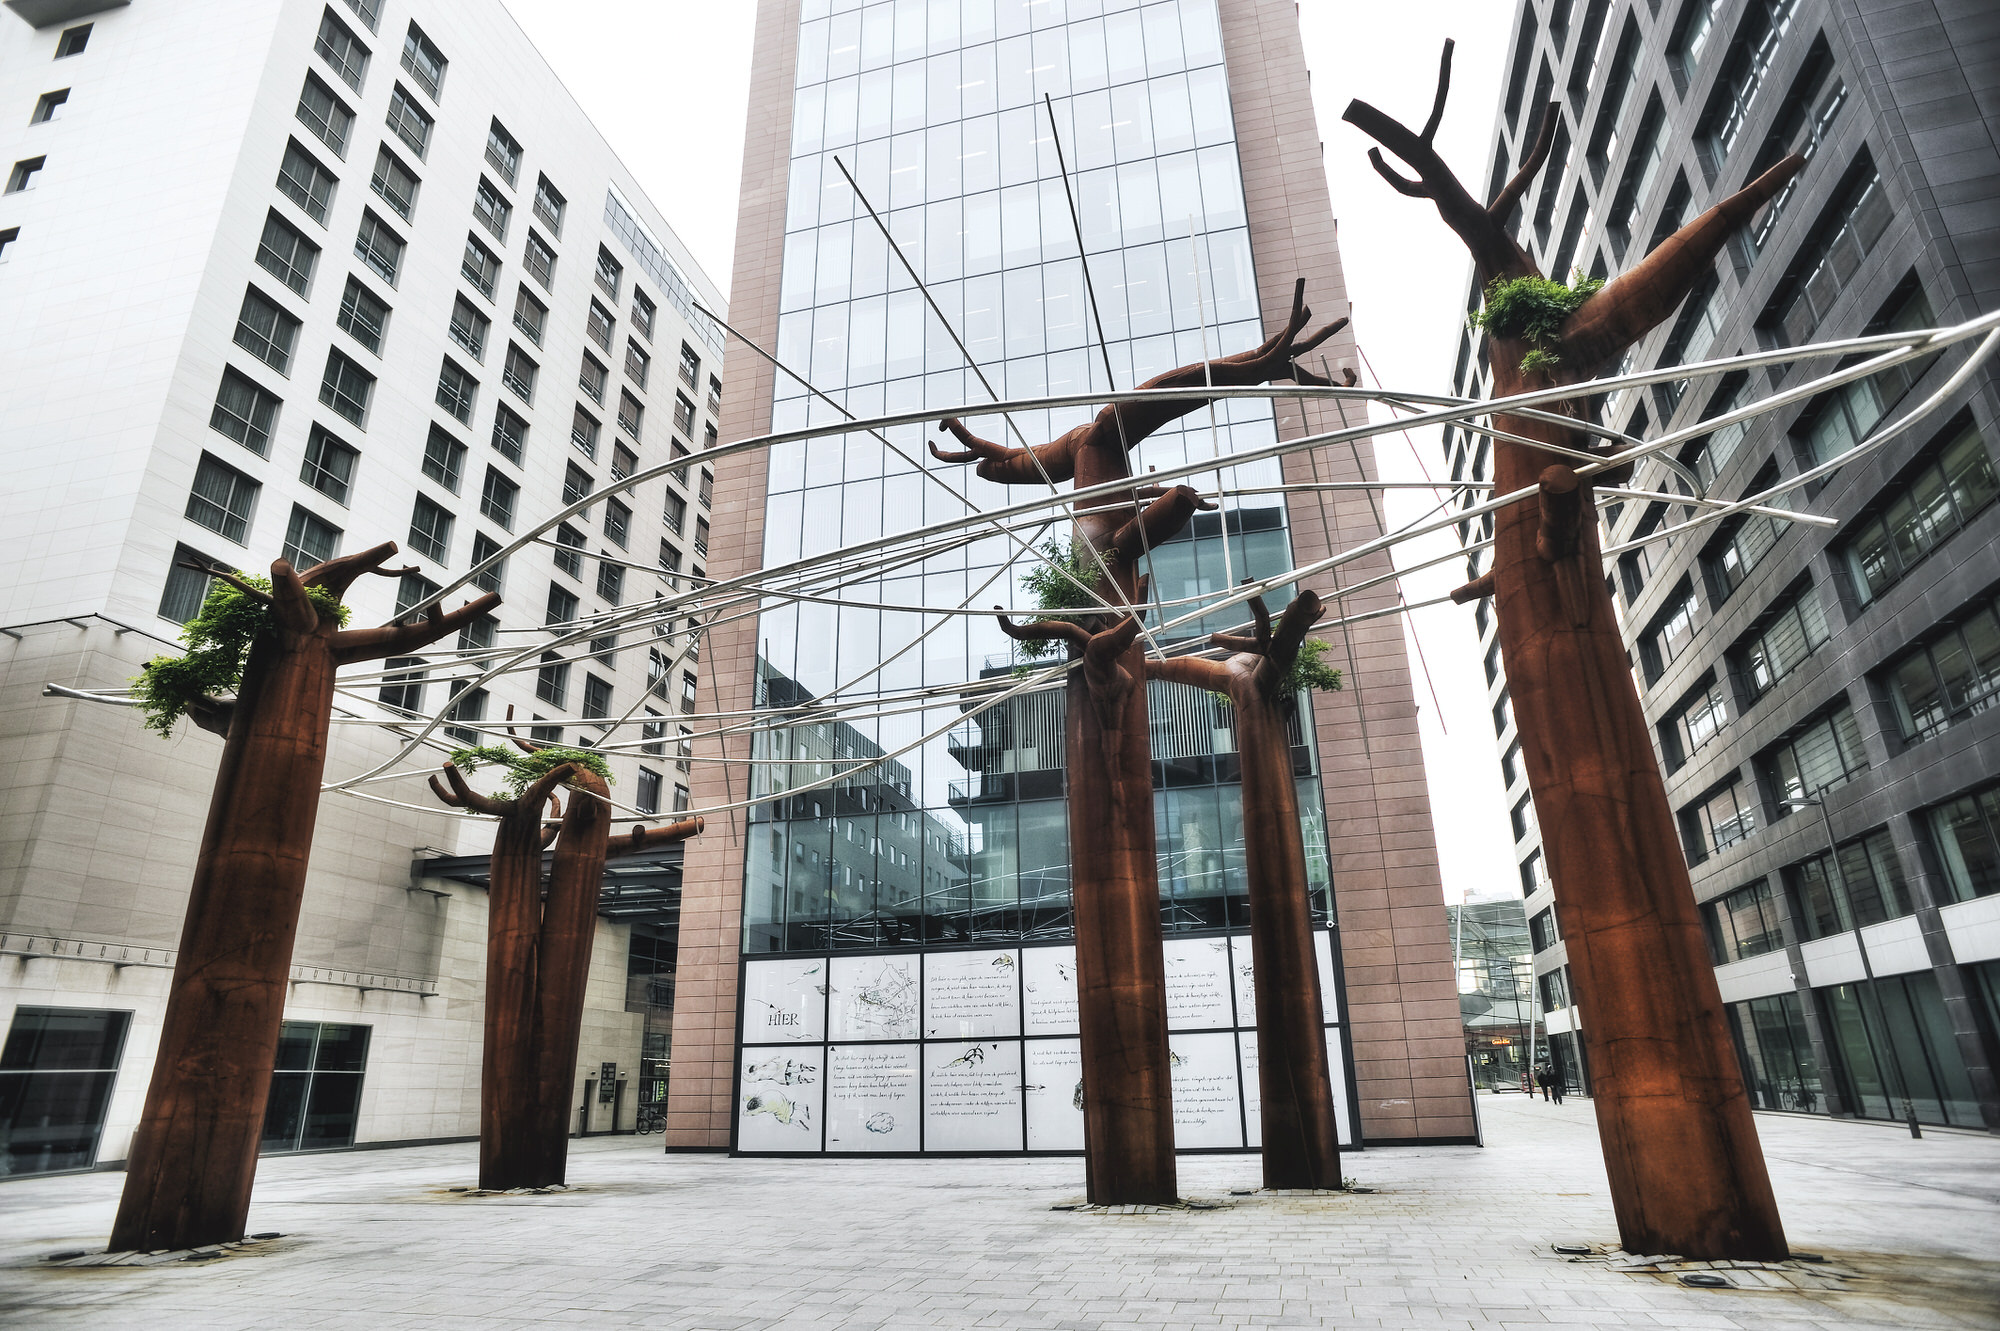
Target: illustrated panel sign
[(874, 998), (1253, 1098), (784, 1001), (872, 1099), (972, 1096), (1198, 983), (1048, 991), (1205, 1095), (972, 995), (1329, 997), (778, 1106), (1054, 1088), (1246, 988)]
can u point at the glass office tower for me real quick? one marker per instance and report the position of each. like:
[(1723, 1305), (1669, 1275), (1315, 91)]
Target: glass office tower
[(906, 976)]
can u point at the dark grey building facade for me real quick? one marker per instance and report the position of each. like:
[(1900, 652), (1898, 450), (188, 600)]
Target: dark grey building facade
[(1811, 688)]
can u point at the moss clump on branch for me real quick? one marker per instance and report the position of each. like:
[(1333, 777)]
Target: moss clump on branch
[(1053, 584), (1533, 310), (524, 769), (218, 640)]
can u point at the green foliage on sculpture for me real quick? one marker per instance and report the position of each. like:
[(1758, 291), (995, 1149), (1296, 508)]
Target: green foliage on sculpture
[(524, 769), (1053, 583), (1310, 672), (1532, 310), (218, 640)]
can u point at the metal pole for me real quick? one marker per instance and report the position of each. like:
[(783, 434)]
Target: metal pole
[(1867, 971)]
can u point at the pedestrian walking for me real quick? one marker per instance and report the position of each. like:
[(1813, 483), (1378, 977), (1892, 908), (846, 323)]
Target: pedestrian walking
[(1542, 1080), (1555, 1085)]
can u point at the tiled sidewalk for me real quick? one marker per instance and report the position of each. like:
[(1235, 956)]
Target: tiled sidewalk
[(1453, 1238)]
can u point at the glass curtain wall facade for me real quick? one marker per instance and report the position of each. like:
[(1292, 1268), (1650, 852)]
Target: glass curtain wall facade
[(905, 932)]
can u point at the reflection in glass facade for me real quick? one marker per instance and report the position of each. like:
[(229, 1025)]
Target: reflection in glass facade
[(937, 109)]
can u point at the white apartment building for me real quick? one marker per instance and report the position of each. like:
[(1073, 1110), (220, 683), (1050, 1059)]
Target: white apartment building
[(294, 277)]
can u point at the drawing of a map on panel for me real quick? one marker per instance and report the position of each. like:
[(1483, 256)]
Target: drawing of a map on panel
[(784, 1000), (972, 1096), (1206, 1112), (873, 998), (872, 1099), (1197, 983), (778, 1106), (972, 995), (1048, 992), (1054, 1080)]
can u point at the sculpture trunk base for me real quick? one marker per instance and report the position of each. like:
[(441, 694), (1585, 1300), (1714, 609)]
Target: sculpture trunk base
[(1301, 1134), (1128, 1107), (194, 1156), (569, 925), (1680, 1147), (509, 1156)]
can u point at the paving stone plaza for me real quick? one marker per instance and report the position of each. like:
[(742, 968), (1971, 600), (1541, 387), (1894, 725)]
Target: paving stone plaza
[(1451, 1237)]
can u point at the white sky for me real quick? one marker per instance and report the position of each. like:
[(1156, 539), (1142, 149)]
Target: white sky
[(667, 81)]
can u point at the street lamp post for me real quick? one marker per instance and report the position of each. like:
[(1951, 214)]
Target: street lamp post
[(1867, 971)]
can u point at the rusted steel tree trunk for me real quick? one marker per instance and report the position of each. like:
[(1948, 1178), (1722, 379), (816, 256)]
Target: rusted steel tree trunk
[(1301, 1135), (1680, 1147), (1114, 874), (194, 1156)]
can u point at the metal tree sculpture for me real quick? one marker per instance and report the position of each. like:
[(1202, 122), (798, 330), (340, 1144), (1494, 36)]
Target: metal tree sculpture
[(1121, 972), (194, 1156), (1687, 1175), (1301, 1135)]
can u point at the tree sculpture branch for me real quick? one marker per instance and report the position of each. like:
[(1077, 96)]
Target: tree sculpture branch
[(1160, 522), (223, 573), (642, 838), (1042, 630)]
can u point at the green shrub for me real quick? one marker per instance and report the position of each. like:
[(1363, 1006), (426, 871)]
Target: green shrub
[(524, 769), (1051, 584), (218, 640), (1533, 310)]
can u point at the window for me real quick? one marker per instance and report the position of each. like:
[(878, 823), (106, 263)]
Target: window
[(430, 530), (530, 315), (684, 415), (576, 484), (329, 465), (342, 50), (623, 462), (469, 704), (496, 498), (1954, 676), (552, 681), (395, 183), (456, 390), (56, 1076), (1924, 509), (502, 151), (305, 182), (684, 750), (1670, 634), (309, 540), (687, 692), (468, 328), (583, 432), (562, 605), (1816, 757), (1863, 884), (379, 247), (187, 588), (424, 61), (1804, 122), (72, 41), (1542, 931), (368, 11), (1750, 55), (1743, 923), (681, 799), (654, 730), (1698, 719), (1792, 631), (484, 547), (346, 388), (1642, 168), (549, 204), (1534, 874), (540, 259), (480, 266), (223, 499), (1690, 39), (510, 434), (690, 369), (1523, 819), (316, 1091), (1708, 457), (1842, 417), (643, 310), (411, 123), (617, 523), (597, 700), (637, 363), (598, 325), (705, 489), (590, 378), (1611, 110), (1692, 338), (325, 115), (519, 374), (708, 435), (244, 412), (480, 634), (1729, 560), (675, 512), (648, 798), (23, 175), (266, 331), (444, 458), (680, 474), (1830, 258), (492, 210), (569, 558), (413, 590), (609, 273), (287, 255), (403, 687), (1966, 835), (1718, 821), (656, 671), (630, 412), (714, 396), (363, 315), (701, 536)]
